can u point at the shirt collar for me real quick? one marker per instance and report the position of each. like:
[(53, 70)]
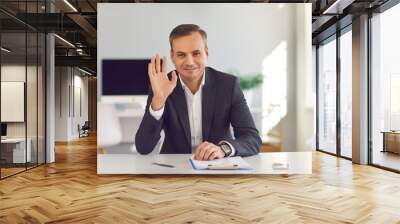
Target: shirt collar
[(203, 80)]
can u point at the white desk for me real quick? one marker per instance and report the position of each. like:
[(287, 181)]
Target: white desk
[(19, 149), (133, 163)]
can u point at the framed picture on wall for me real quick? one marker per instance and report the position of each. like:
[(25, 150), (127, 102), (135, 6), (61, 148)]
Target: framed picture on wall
[(12, 101)]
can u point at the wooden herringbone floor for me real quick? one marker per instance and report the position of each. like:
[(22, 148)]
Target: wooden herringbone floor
[(70, 191)]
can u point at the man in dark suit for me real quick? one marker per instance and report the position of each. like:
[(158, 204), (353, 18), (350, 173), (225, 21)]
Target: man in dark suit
[(195, 105)]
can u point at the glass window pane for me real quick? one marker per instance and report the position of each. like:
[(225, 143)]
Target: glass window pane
[(327, 97), (31, 101), (13, 87), (23, 86), (386, 89), (32, 86), (41, 98), (346, 94)]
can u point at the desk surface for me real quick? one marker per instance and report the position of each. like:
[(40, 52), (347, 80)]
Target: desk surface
[(13, 140), (133, 163), (391, 132)]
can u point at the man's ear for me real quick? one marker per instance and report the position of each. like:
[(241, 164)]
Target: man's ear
[(206, 50)]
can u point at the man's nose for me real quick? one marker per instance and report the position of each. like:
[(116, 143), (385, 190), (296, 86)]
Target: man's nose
[(189, 60)]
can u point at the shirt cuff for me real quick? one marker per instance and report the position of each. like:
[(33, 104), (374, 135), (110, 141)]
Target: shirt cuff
[(156, 114), (231, 146)]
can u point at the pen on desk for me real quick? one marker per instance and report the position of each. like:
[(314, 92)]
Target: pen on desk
[(164, 165), (280, 166)]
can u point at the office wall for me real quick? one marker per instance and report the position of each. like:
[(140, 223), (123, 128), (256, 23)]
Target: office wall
[(246, 37), (305, 83), (15, 72), (71, 87), (81, 101), (33, 127)]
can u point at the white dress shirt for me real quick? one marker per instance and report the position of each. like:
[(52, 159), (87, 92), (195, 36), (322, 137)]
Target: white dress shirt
[(194, 108)]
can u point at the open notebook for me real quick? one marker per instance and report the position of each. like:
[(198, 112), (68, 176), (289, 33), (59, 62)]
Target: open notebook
[(229, 163)]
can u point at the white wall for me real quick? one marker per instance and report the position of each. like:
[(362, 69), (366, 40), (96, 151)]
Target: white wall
[(15, 72), (33, 126), (304, 82), (62, 80), (68, 81), (248, 37), (80, 83)]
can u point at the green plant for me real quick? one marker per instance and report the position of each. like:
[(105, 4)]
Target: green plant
[(248, 81), (251, 81)]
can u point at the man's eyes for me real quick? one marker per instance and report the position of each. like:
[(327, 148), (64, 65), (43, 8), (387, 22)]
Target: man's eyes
[(194, 54)]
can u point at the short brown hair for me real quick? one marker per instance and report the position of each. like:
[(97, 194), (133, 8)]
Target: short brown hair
[(185, 30)]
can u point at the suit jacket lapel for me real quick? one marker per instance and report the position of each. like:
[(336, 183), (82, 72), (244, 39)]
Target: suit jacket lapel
[(208, 103), (179, 100)]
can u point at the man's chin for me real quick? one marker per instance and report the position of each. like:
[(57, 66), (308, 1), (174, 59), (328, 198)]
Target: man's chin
[(190, 74), (191, 71)]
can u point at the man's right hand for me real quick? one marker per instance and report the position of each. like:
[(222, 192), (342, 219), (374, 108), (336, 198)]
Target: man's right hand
[(161, 86)]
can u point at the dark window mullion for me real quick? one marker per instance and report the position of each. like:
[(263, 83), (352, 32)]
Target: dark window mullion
[(338, 98), (317, 95), (26, 87), (369, 88), (37, 89)]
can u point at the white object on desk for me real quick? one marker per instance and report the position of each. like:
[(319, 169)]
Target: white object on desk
[(229, 163), (299, 163)]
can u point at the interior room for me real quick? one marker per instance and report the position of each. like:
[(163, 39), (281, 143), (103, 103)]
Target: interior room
[(319, 79)]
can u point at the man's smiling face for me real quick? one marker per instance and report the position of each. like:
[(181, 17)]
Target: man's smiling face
[(189, 55)]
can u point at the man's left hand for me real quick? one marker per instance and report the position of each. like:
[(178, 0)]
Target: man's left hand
[(208, 151)]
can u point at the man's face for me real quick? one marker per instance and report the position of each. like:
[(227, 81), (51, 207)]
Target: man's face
[(189, 54)]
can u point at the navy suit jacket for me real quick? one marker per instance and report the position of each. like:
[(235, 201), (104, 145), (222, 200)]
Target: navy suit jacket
[(223, 104)]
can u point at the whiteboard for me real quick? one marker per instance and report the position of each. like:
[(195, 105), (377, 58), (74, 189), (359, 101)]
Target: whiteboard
[(12, 101)]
